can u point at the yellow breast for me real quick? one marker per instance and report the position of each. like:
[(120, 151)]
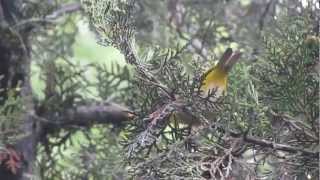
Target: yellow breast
[(215, 81)]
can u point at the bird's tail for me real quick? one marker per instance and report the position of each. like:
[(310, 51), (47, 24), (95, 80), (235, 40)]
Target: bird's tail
[(228, 59)]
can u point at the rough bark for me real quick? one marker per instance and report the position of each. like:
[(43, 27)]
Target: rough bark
[(15, 71), (15, 68)]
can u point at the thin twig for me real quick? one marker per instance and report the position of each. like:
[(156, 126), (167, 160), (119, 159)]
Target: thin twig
[(65, 9)]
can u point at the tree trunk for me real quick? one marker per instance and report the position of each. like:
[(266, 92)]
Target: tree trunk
[(15, 68)]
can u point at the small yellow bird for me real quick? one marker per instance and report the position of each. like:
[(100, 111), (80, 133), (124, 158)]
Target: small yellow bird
[(215, 79), (214, 82)]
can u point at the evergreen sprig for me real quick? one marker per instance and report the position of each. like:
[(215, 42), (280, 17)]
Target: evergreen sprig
[(271, 102)]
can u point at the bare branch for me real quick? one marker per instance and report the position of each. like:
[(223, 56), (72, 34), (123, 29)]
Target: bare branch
[(278, 146), (65, 9), (273, 145), (87, 115)]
